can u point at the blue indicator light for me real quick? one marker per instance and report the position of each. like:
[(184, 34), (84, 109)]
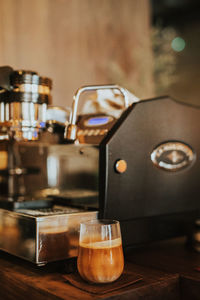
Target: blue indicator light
[(42, 124), (98, 121)]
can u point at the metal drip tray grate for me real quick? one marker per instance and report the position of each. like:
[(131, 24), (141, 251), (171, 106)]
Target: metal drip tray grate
[(56, 210)]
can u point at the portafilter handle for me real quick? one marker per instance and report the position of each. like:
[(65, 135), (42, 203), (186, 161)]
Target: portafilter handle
[(71, 129)]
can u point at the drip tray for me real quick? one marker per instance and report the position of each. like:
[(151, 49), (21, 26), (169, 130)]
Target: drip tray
[(42, 233)]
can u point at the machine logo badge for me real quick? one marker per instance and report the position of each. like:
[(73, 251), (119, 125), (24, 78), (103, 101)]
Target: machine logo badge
[(172, 156)]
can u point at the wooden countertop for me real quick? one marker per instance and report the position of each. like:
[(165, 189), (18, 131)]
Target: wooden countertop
[(169, 271)]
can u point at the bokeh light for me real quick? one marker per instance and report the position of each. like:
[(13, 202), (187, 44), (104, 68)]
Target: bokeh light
[(178, 44)]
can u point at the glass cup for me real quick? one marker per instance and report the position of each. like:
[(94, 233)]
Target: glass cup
[(100, 256)]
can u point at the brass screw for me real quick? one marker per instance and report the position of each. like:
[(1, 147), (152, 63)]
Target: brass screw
[(121, 166)]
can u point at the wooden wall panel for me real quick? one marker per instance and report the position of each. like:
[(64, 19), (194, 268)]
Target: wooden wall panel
[(78, 42)]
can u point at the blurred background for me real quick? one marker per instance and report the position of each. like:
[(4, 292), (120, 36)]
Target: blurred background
[(150, 47)]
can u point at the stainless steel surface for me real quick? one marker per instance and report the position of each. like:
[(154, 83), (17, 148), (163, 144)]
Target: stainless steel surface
[(59, 169), (71, 130), (3, 113), (69, 173), (32, 88), (42, 236), (23, 106), (26, 119), (40, 169)]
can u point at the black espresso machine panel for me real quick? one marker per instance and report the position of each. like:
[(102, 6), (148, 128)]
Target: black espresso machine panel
[(157, 194), (141, 168), (149, 170)]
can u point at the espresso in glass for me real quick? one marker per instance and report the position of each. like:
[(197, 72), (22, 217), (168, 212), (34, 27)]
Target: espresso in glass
[(100, 257)]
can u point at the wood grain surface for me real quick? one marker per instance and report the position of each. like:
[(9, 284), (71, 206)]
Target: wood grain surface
[(22, 280), (170, 270), (77, 42)]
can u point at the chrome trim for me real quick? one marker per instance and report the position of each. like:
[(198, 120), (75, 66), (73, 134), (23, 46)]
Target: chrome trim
[(32, 88)]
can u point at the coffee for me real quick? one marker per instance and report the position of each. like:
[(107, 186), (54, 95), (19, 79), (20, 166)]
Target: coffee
[(100, 261)]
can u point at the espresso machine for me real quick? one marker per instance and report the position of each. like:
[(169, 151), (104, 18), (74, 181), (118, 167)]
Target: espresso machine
[(48, 183), (59, 167)]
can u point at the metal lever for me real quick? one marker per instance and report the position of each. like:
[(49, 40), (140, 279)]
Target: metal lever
[(71, 129)]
